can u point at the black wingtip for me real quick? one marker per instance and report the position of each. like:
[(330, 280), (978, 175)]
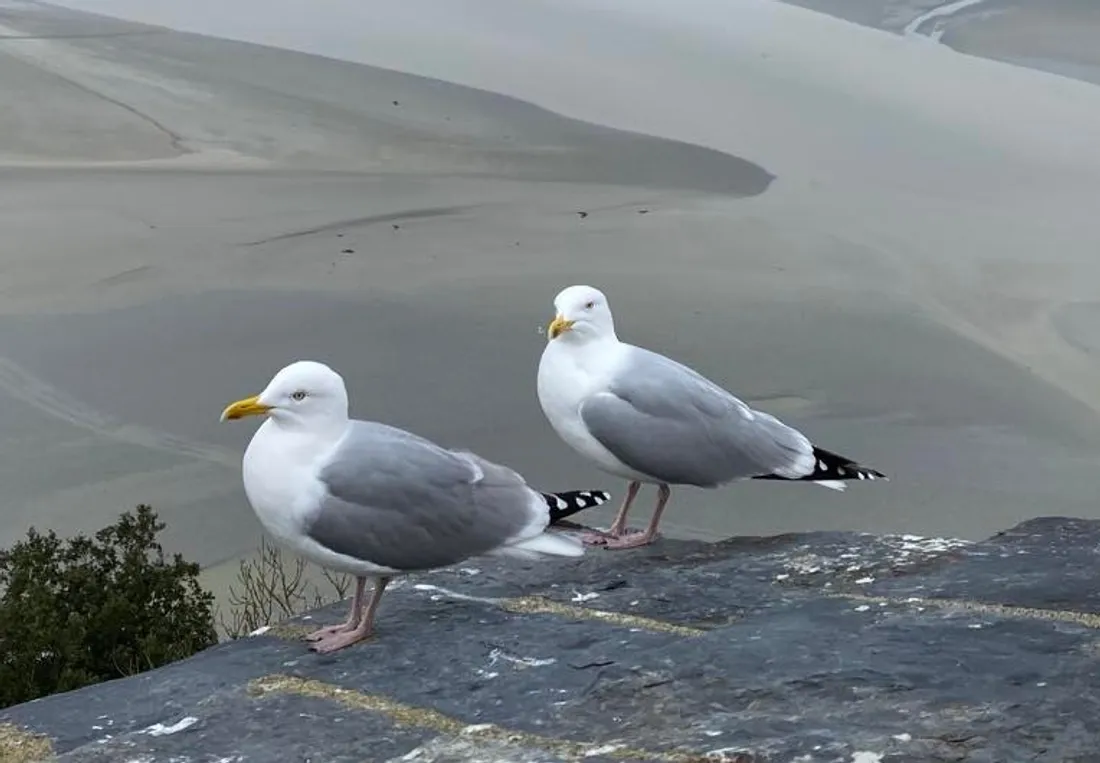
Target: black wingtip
[(829, 467), (567, 504)]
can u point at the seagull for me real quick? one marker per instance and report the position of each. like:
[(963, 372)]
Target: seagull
[(376, 501), (648, 419)]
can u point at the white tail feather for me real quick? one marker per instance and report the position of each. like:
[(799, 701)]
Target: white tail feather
[(548, 544), (832, 484)]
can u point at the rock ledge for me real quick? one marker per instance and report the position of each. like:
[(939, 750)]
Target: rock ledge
[(816, 647)]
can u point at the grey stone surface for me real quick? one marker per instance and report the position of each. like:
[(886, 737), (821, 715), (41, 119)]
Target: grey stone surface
[(812, 647)]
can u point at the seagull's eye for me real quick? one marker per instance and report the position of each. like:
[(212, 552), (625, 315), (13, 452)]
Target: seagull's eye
[(299, 395), (589, 305)]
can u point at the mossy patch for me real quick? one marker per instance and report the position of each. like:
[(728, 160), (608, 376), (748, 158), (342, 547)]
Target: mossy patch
[(426, 718), (20, 746)]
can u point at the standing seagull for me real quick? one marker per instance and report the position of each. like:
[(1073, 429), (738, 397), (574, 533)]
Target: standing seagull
[(375, 501), (646, 418)]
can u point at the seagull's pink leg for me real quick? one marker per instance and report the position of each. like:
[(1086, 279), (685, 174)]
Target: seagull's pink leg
[(362, 631), (635, 539), (354, 616), (618, 527)]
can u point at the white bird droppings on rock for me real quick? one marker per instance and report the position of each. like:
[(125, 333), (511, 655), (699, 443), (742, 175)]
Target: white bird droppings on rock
[(159, 729), (727, 754), (915, 544), (477, 728), (866, 757), (441, 593), (606, 749), (520, 662)]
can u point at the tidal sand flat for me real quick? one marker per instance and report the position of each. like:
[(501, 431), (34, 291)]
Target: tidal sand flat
[(185, 215), (872, 237), (1057, 36)]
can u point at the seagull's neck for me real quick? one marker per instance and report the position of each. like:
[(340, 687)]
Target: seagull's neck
[(592, 352), (601, 343), (320, 429)]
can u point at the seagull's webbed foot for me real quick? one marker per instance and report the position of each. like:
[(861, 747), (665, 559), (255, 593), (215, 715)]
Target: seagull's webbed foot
[(602, 538), (340, 639), (618, 528), (631, 539), (330, 630), (619, 537), (355, 616), (332, 642), (595, 537)]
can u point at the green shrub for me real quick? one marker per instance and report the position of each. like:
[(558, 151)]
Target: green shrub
[(79, 611)]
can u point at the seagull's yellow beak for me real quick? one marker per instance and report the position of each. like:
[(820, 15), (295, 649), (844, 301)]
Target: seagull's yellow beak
[(250, 406), (559, 326)]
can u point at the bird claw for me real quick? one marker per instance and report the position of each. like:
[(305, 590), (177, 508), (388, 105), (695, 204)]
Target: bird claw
[(628, 538), (596, 538), (631, 539), (328, 631), (339, 640)]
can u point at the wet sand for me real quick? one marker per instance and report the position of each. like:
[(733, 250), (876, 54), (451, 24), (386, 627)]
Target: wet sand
[(1057, 36), (908, 278)]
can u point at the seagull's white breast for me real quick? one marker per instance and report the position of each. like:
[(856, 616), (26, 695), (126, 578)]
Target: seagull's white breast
[(569, 375), (280, 479)]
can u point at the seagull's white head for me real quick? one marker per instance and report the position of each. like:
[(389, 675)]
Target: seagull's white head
[(583, 314), (302, 393)]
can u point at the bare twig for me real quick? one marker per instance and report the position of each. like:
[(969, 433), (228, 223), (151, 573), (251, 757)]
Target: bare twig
[(274, 586)]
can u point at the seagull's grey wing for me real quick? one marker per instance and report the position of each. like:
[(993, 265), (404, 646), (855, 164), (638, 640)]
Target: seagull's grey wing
[(400, 501), (667, 421)]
